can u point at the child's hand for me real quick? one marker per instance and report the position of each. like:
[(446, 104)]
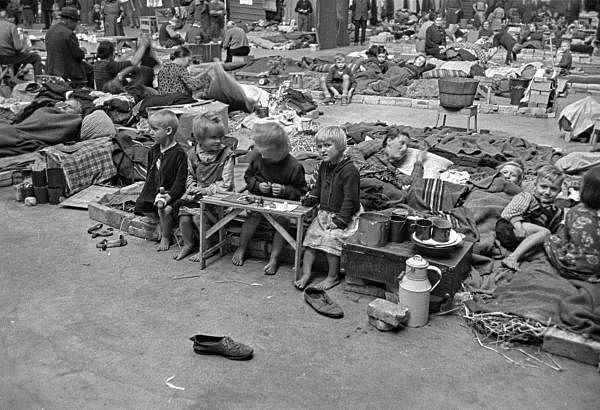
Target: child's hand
[(278, 189), (264, 187)]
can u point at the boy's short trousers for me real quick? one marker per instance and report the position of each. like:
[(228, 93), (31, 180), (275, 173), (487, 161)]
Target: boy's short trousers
[(338, 87), (505, 233)]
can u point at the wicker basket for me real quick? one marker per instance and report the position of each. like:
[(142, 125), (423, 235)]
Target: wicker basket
[(457, 92)]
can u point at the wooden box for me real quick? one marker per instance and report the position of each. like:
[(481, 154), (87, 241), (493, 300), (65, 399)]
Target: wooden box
[(205, 53), (148, 25), (541, 85), (186, 114), (384, 264)]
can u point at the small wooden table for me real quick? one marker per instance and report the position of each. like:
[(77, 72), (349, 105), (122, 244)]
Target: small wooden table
[(466, 112), (233, 209)]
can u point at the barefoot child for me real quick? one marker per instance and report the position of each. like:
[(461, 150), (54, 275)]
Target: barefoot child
[(337, 193), (210, 169), (272, 172), (339, 82), (167, 169), (529, 218), (575, 252)]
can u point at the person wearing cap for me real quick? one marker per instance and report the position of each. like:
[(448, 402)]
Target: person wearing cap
[(64, 56), (168, 36), (105, 66), (13, 49)]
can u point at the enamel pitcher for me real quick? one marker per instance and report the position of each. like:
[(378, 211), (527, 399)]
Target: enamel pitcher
[(415, 289)]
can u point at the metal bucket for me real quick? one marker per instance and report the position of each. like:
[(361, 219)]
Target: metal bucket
[(373, 229)]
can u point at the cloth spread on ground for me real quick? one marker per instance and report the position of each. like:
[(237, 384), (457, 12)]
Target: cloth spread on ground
[(85, 163), (45, 126), (477, 150), (538, 292), (578, 162)]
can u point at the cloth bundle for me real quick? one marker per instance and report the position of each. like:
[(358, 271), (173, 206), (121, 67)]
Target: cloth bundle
[(97, 125)]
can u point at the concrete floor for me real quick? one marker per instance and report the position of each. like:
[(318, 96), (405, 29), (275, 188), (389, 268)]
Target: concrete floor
[(83, 329)]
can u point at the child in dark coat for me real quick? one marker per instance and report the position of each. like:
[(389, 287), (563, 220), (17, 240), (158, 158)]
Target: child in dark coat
[(337, 192), (167, 173), (272, 172)]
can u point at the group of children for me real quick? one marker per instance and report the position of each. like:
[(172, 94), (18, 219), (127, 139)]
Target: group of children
[(176, 180), (532, 219)]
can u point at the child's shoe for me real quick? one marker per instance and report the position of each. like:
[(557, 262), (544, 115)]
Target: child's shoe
[(345, 100)]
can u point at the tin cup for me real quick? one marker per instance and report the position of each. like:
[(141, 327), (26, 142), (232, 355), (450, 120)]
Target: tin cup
[(423, 229), (441, 230)]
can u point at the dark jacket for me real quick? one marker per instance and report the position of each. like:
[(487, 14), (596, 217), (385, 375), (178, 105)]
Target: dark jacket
[(287, 172), (172, 176), (505, 40), (435, 37), (360, 9), (337, 190), (64, 54), (304, 5)]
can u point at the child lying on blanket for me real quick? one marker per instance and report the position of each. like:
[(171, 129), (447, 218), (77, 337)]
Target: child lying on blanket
[(210, 170), (529, 218), (575, 252), (512, 171)]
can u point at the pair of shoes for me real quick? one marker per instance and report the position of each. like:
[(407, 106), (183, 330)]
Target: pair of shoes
[(221, 345), (117, 243), (320, 301)]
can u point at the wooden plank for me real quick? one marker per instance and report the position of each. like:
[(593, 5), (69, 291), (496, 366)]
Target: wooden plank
[(83, 198), (572, 345)]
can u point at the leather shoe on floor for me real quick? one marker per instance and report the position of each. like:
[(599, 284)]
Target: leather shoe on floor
[(221, 345), (320, 301)]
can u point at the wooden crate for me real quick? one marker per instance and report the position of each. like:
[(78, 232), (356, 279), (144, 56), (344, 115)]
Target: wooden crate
[(205, 53), (384, 264), (148, 25)]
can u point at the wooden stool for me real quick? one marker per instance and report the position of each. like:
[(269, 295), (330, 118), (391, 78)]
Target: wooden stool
[(467, 111)]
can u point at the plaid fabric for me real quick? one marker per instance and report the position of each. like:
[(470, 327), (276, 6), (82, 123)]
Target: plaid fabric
[(84, 163), (474, 48), (442, 73)]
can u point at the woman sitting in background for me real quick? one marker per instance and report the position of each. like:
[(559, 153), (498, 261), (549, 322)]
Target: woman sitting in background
[(174, 78)]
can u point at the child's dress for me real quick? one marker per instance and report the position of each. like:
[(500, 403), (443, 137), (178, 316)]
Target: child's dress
[(575, 251), (337, 190)]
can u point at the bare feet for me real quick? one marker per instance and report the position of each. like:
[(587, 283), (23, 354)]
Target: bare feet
[(327, 284), (302, 282), (185, 251), (511, 263), (164, 244), (271, 268), (238, 257), (197, 257)]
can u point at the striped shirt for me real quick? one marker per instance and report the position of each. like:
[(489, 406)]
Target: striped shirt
[(525, 207)]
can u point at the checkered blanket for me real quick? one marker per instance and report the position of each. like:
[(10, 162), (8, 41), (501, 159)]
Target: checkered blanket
[(85, 163)]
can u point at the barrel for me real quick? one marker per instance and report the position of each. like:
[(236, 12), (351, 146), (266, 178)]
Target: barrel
[(517, 89), (457, 93)]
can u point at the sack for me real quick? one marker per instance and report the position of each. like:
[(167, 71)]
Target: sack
[(300, 102)]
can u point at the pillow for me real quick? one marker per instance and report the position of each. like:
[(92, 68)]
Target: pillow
[(441, 73), (433, 165)]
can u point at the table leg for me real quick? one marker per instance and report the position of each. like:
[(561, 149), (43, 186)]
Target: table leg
[(221, 234), (201, 236), (476, 125), (444, 123), (299, 248)]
